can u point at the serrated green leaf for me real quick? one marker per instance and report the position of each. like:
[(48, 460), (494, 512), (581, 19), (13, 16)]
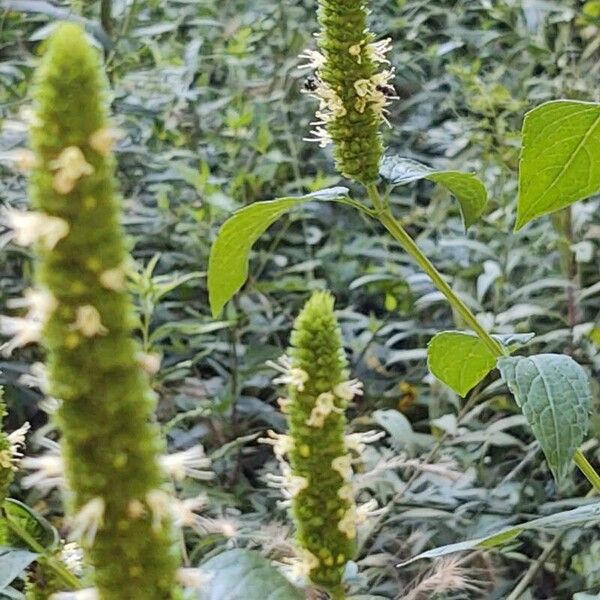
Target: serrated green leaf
[(246, 575), (229, 255), (461, 360), (560, 158), (466, 187), (581, 515), (554, 394), (13, 561)]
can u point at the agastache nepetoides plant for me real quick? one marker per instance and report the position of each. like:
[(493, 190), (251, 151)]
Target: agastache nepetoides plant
[(120, 505), (353, 82), (317, 475)]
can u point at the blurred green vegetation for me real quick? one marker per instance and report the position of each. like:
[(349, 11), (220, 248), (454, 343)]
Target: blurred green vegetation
[(209, 96)]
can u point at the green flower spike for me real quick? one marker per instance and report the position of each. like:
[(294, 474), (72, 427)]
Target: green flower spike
[(353, 87), (120, 510), (317, 480)]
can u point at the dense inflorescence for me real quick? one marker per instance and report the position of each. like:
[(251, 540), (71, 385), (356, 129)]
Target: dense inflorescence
[(317, 479), (352, 84), (120, 510)]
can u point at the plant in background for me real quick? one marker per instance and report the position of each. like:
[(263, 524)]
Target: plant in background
[(11, 446), (317, 480), (552, 390)]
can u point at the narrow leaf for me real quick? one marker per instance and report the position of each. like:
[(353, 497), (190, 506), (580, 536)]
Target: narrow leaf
[(560, 158), (581, 515), (554, 394), (229, 255), (466, 187), (246, 575)]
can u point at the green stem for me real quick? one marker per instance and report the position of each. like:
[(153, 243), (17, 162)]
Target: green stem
[(52, 563), (586, 468), (106, 15), (400, 234)]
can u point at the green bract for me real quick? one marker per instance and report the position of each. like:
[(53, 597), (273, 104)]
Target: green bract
[(352, 88), (316, 481), (118, 509)]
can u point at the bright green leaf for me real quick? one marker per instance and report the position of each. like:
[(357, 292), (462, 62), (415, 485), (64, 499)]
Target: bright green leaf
[(554, 394), (246, 575), (461, 360), (33, 523), (560, 158), (466, 187), (230, 253), (581, 515), (13, 561)]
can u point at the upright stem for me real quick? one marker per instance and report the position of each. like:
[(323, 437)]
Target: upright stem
[(586, 468), (61, 571), (387, 219), (401, 235), (106, 15)]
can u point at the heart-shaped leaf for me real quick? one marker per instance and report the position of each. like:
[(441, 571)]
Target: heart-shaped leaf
[(230, 252), (466, 187), (554, 394), (246, 575), (560, 158)]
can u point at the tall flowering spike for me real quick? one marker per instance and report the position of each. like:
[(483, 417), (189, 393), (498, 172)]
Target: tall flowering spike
[(353, 86), (317, 479), (109, 447)]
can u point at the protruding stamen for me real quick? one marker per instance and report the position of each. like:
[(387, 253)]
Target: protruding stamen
[(346, 390), (72, 556), (87, 521), (48, 471), (103, 140), (282, 444), (160, 504), (149, 362), (315, 60), (357, 442), (343, 465), (290, 375), (70, 166), (113, 279), (88, 321), (30, 227), (291, 485), (189, 463), (303, 564)]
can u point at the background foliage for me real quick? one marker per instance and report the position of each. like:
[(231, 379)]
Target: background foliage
[(209, 96)]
